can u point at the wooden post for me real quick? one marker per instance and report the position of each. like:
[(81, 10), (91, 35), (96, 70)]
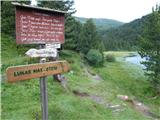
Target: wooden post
[(44, 95)]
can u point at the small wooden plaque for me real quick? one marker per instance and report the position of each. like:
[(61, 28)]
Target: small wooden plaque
[(25, 72)]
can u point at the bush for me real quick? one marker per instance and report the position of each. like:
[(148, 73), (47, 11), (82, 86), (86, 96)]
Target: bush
[(94, 57), (110, 58)]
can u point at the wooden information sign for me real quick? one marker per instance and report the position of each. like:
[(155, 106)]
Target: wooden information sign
[(35, 25), (25, 72), (39, 25)]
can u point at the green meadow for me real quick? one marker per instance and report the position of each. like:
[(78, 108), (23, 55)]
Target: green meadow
[(85, 97)]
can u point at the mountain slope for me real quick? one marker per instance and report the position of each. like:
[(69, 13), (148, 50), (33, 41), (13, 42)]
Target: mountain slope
[(101, 23), (124, 37)]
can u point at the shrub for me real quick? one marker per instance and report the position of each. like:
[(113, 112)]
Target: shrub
[(94, 57), (110, 58)]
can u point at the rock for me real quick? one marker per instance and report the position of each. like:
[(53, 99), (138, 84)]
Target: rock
[(96, 77), (114, 106), (123, 97), (97, 99), (81, 94)]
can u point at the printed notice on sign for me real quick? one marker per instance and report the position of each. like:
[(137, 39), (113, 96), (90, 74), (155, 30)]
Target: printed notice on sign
[(38, 26)]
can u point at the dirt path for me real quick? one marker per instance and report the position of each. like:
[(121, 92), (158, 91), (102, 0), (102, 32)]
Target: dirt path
[(136, 105), (88, 73), (140, 107), (100, 100)]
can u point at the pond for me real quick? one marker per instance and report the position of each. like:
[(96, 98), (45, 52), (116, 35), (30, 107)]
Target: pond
[(135, 60)]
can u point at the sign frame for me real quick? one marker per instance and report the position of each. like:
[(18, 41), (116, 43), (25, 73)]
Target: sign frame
[(36, 25)]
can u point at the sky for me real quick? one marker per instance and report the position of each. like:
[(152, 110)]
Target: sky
[(121, 10)]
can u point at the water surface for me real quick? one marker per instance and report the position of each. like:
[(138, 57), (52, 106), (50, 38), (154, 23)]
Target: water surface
[(136, 60)]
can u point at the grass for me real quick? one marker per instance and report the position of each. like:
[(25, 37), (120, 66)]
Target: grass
[(21, 100), (12, 54), (120, 53)]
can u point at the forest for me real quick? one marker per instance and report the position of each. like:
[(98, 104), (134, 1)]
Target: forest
[(126, 36)]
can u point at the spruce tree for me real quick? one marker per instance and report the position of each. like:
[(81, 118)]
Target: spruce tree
[(73, 31), (89, 37), (150, 47)]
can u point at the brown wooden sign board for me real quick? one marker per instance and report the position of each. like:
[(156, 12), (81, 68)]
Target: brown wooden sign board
[(25, 72), (36, 25)]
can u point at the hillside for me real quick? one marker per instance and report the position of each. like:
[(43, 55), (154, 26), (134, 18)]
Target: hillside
[(102, 24), (124, 37), (117, 35), (114, 90), (91, 93)]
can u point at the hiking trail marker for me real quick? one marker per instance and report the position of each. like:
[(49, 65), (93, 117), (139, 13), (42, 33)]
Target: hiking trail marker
[(44, 27), (26, 72), (47, 52)]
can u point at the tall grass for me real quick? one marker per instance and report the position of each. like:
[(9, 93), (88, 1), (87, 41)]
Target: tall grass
[(21, 100)]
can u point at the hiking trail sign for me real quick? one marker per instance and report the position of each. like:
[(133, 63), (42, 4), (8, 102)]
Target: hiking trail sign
[(35, 25), (42, 53), (38, 25), (25, 72)]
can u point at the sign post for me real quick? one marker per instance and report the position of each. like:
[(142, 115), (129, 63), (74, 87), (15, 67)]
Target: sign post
[(44, 27), (44, 95), (43, 90)]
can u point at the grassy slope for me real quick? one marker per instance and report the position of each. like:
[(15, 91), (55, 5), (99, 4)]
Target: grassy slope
[(21, 100), (12, 54)]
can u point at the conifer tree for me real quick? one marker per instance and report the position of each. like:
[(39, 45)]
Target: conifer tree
[(150, 47), (89, 37), (73, 31)]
